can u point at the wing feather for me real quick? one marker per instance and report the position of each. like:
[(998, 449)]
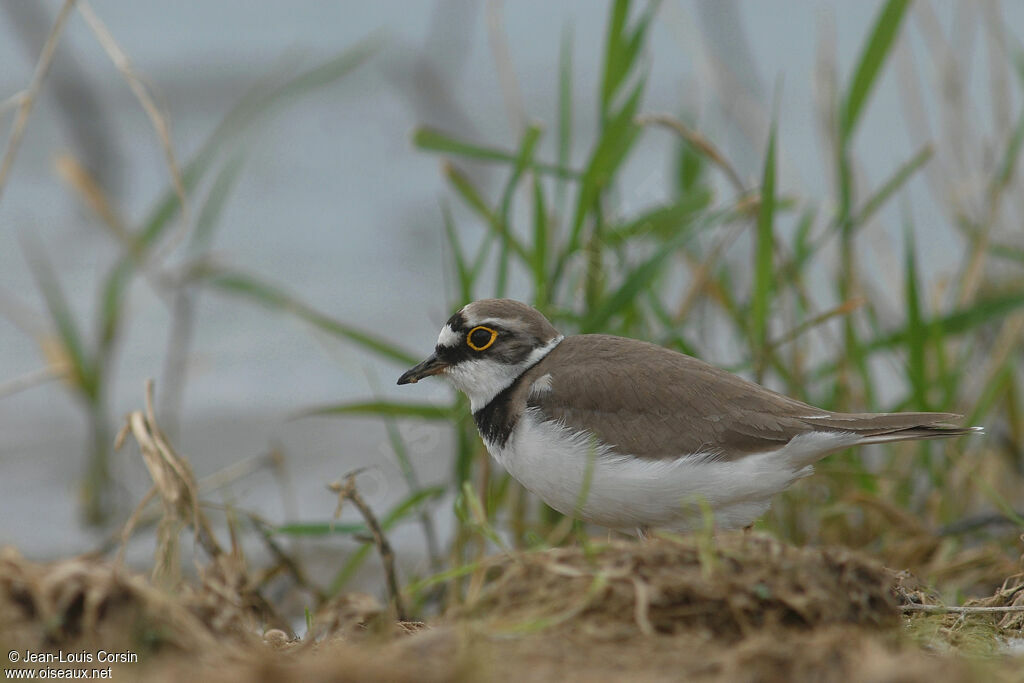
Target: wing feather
[(652, 402)]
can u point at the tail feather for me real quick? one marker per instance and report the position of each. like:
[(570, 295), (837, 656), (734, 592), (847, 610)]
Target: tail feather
[(889, 427), (932, 431), (838, 431)]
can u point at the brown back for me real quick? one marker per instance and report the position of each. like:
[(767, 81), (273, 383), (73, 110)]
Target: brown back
[(652, 402)]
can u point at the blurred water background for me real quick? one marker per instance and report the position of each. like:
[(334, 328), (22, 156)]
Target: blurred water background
[(334, 202)]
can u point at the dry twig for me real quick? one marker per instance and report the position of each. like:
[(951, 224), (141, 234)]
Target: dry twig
[(348, 491)]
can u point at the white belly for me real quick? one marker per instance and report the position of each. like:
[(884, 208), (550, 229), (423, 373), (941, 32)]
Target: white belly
[(576, 475)]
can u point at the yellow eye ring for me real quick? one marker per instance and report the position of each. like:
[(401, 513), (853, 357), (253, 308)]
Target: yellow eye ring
[(482, 347)]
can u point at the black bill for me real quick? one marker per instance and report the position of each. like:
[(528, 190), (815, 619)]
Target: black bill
[(430, 366)]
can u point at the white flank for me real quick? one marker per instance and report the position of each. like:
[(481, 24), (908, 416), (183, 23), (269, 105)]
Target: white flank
[(579, 476)]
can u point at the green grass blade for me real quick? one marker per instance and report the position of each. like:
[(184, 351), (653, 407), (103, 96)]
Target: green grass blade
[(70, 337), (989, 310), (480, 259), (411, 502), (639, 279), (523, 161), (401, 451), (618, 133), (916, 336), (672, 338), (111, 295), (803, 247), (615, 66), (564, 110), (258, 291), (212, 209), (999, 501), (442, 577), (978, 313), (462, 268), (432, 140), (1008, 163), (316, 529), (690, 168), (525, 157), (622, 47), (892, 185), (475, 201), (467, 446), (661, 222), (470, 196), (473, 510), (423, 411), (394, 515), (873, 56), (993, 390), (615, 143), (764, 270), (539, 262), (1010, 252), (355, 561)]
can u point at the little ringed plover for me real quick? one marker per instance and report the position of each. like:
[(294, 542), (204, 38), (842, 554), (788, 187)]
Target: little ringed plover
[(628, 434)]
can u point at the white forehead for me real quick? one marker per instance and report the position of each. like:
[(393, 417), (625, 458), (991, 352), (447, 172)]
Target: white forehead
[(448, 337)]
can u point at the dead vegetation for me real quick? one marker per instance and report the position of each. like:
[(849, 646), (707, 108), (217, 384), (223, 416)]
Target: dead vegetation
[(730, 587), (736, 607)]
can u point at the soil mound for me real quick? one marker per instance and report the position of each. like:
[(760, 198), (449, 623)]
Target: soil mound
[(729, 586)]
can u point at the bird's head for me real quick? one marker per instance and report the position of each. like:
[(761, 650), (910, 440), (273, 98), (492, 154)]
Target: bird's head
[(485, 346)]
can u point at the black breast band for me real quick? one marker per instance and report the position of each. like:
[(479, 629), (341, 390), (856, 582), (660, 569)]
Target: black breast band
[(496, 420)]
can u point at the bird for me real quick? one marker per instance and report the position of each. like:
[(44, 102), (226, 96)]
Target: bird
[(630, 435)]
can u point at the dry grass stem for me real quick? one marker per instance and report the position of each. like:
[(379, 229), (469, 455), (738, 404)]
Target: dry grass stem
[(702, 270), (90, 191), (701, 143), (956, 609), (173, 481), (156, 117), (28, 97), (348, 491), (12, 102), (33, 379), (844, 308), (506, 70)]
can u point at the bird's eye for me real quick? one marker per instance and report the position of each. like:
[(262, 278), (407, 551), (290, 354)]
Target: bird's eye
[(481, 338)]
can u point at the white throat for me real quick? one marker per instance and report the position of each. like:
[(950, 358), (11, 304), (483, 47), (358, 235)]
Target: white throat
[(483, 379)]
